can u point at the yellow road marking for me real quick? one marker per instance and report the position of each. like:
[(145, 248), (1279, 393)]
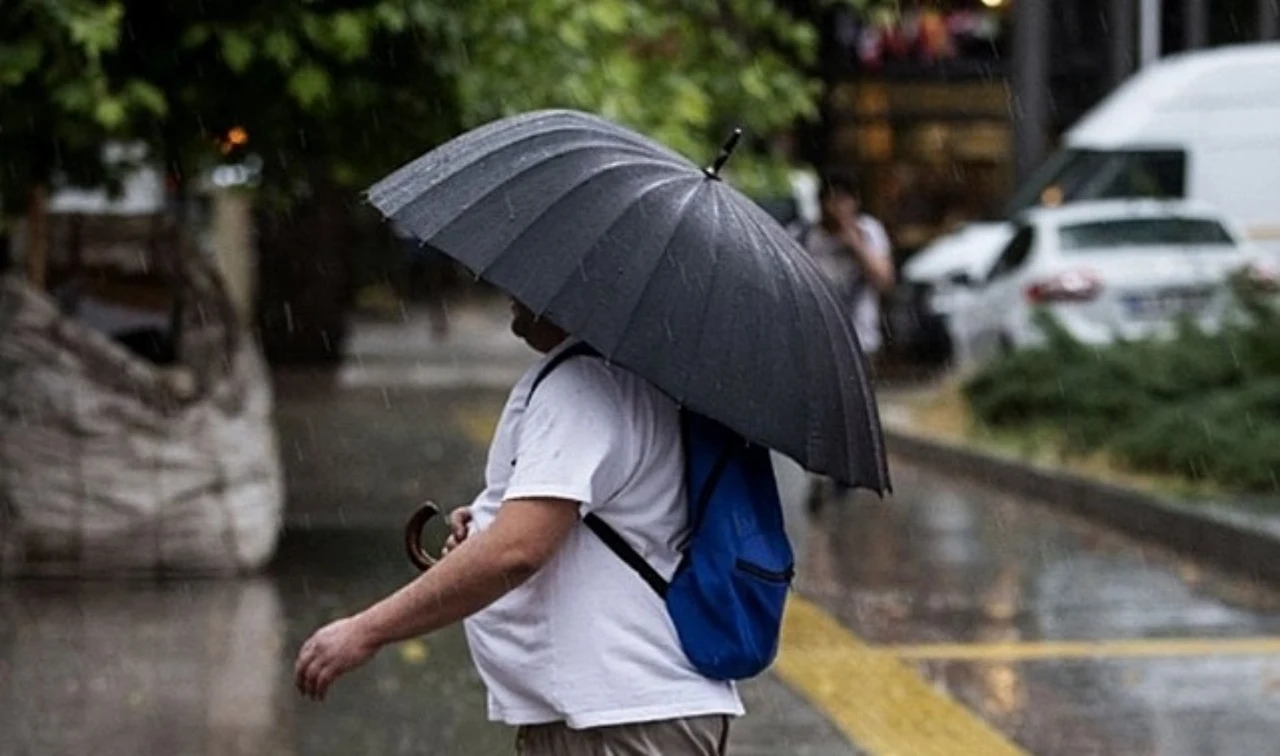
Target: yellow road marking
[(878, 701), (1105, 649), (477, 422), (413, 651)]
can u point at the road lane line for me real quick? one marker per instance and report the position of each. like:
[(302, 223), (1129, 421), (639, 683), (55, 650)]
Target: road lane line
[(878, 701), (1103, 649)]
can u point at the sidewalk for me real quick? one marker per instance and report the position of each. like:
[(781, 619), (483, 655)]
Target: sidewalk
[(480, 350)]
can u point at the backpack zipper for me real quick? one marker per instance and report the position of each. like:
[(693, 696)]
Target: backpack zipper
[(764, 574)]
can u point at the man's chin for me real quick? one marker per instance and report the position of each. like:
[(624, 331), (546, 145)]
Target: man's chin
[(521, 329)]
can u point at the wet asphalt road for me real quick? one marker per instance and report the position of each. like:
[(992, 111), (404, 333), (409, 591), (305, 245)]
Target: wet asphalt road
[(987, 598), (993, 597)]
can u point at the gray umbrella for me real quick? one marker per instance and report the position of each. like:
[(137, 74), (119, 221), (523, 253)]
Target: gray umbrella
[(661, 267)]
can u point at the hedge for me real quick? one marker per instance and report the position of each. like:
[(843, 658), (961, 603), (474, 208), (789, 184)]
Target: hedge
[(1201, 405)]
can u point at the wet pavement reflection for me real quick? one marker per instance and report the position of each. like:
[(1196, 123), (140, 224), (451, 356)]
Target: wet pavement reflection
[(1069, 638)]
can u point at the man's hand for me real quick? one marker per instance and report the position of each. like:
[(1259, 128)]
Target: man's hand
[(851, 229), (459, 520), (876, 264), (334, 650)]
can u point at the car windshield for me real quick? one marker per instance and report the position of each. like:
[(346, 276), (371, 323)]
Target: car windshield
[(1075, 175), (1143, 232)]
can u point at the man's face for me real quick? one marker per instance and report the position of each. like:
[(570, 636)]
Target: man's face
[(840, 205), (542, 335), (522, 320)]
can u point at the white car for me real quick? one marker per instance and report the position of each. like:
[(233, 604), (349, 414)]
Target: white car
[(953, 263), (1202, 126), (1127, 269)]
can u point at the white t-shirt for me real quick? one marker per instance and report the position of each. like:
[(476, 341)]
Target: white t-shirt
[(586, 641), (840, 268)]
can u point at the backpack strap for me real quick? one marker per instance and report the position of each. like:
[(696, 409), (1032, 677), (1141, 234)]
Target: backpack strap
[(581, 349), (611, 538), (618, 545)]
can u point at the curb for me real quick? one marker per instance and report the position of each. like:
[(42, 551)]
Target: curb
[(1246, 552)]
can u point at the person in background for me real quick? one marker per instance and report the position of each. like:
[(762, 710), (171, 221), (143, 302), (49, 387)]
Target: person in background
[(853, 251)]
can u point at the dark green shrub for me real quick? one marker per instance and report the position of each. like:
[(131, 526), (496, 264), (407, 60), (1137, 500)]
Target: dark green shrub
[(1204, 406)]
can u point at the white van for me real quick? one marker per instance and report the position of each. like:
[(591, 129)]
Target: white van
[(1203, 126)]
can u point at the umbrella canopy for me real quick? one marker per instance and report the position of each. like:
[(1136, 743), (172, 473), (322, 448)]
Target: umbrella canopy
[(661, 267)]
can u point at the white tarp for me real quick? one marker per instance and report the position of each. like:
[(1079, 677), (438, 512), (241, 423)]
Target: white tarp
[(110, 464)]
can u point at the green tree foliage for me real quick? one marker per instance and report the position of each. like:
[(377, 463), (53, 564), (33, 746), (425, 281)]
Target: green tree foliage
[(685, 73), (333, 91), (354, 87), (1203, 406), (57, 100)]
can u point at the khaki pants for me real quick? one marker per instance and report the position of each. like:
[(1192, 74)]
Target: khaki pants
[(693, 736)]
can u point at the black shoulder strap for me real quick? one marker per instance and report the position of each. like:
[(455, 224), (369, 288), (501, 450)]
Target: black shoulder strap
[(611, 538), (618, 545), (581, 349)]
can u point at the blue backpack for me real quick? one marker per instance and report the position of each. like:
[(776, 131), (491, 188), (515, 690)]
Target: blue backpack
[(727, 595)]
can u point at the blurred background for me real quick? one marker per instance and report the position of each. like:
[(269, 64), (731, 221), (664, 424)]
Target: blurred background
[(217, 360)]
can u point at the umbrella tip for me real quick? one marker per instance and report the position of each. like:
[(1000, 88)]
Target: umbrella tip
[(725, 151)]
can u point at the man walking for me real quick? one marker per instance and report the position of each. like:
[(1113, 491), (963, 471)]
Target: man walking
[(575, 649)]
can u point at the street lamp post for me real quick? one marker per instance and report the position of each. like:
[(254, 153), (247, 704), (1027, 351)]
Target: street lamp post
[(1268, 19), (1195, 23), (1120, 28), (1030, 84), (1149, 32)]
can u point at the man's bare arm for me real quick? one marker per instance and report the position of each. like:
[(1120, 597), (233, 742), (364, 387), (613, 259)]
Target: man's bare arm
[(480, 570)]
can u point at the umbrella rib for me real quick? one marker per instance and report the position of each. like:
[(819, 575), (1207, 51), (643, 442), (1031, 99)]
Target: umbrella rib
[(739, 214), (398, 184), (717, 258), (845, 330), (600, 173), (776, 250), (504, 186), (649, 279), (594, 122), (595, 246), (793, 266), (844, 326)]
